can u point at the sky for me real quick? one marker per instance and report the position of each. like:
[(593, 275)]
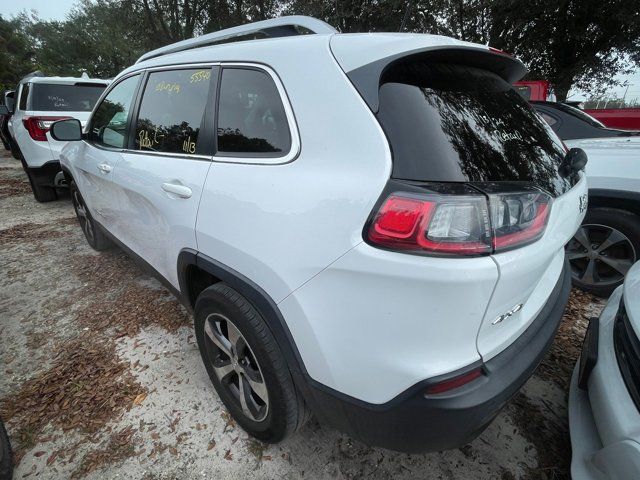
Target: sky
[(57, 10), (47, 9)]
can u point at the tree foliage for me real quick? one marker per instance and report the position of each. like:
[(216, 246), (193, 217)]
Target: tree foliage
[(580, 43), (16, 51)]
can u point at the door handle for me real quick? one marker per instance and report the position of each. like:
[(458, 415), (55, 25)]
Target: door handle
[(103, 167), (181, 191)]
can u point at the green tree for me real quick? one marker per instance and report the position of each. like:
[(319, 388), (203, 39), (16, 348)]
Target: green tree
[(17, 54), (571, 43), (99, 37)]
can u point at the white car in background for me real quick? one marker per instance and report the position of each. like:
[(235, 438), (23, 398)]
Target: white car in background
[(608, 242), (604, 400), (40, 101)]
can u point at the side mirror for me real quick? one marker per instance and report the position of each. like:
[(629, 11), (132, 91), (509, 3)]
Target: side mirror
[(68, 130), (574, 161), (4, 110)]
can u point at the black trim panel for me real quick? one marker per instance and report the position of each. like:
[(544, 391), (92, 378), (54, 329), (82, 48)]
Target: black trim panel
[(44, 175)]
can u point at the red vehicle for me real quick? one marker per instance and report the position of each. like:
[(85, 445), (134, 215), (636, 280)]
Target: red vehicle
[(624, 118), (533, 90)]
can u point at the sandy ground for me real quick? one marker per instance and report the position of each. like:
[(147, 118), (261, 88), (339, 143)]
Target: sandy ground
[(100, 377)]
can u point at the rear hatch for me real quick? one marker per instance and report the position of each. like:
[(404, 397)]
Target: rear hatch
[(458, 121), (52, 101)]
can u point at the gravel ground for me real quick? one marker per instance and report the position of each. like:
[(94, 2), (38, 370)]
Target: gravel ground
[(100, 378)]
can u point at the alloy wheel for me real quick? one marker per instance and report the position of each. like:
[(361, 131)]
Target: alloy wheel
[(81, 212), (600, 255), (236, 366)]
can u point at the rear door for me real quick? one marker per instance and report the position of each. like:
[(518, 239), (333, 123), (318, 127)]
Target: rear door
[(162, 174), (106, 138)]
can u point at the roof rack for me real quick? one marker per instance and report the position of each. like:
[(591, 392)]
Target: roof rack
[(275, 27)]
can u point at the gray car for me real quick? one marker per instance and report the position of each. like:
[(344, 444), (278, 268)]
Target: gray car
[(604, 401)]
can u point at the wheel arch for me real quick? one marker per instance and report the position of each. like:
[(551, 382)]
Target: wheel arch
[(197, 271), (620, 199)]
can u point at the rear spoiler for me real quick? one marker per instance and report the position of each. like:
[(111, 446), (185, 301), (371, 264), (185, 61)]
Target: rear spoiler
[(366, 78)]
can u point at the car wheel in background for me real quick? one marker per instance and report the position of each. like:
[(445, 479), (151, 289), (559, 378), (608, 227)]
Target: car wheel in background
[(92, 232), (603, 249), (246, 366), (6, 459)]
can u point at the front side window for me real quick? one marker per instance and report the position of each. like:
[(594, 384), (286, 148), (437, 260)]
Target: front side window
[(251, 117), (24, 94), (171, 111), (109, 122), (53, 97)]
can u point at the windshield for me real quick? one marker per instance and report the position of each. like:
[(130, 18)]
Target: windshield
[(453, 123), (49, 97)]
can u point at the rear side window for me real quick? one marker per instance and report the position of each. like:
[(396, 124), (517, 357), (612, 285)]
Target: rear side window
[(453, 123), (24, 94), (251, 117), (109, 122), (171, 111), (47, 97)]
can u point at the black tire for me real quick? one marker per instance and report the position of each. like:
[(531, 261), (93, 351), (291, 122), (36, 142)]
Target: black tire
[(40, 193), (286, 411), (92, 231), (624, 250), (6, 457)]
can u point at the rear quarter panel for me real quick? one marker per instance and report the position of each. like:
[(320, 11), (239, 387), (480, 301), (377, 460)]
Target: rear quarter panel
[(280, 225)]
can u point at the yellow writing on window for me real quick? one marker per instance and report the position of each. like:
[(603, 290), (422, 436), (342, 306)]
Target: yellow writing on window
[(200, 76), (146, 141), (168, 87), (189, 146)]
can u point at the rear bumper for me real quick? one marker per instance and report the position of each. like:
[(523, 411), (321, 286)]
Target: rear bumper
[(414, 422)]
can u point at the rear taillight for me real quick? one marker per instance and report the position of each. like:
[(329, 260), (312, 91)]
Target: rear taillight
[(39, 126), (459, 224), (518, 219)]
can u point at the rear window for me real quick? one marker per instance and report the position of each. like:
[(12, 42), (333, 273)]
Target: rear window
[(49, 97), (453, 123)]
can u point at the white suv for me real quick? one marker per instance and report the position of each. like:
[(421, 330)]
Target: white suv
[(367, 226), (41, 101)]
